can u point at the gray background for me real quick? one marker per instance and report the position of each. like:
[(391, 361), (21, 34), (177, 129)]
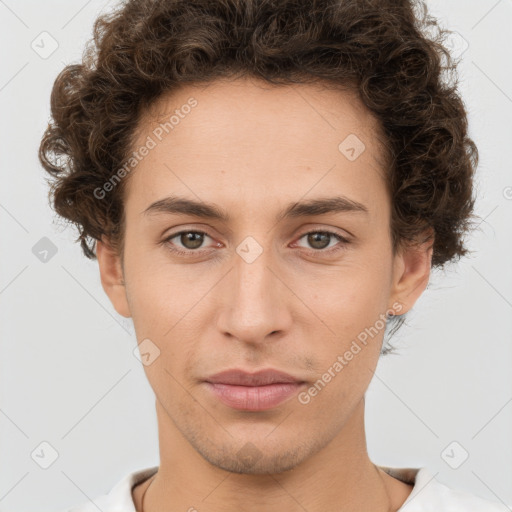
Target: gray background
[(68, 376)]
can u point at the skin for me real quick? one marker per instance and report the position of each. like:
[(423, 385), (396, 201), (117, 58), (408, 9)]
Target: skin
[(252, 148)]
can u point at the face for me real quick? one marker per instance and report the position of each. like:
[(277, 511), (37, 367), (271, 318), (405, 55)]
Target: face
[(261, 285)]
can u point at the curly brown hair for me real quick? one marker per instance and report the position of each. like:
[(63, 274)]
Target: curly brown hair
[(145, 48)]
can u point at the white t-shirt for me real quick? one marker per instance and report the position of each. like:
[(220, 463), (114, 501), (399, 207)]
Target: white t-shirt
[(428, 494)]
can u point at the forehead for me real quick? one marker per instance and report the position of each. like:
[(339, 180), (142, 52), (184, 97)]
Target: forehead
[(249, 136), (246, 108)]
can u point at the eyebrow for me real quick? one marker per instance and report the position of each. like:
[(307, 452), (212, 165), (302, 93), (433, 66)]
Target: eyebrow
[(320, 206)]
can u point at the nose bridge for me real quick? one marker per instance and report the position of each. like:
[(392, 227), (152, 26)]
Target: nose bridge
[(254, 307), (252, 274)]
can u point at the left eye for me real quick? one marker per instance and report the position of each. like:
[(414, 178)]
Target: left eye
[(319, 240)]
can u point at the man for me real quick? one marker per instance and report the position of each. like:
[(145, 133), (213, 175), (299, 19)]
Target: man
[(265, 185)]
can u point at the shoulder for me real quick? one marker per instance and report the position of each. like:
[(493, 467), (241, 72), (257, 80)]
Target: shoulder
[(120, 498), (431, 495)]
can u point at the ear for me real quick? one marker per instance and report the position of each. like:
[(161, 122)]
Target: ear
[(112, 278), (411, 272)]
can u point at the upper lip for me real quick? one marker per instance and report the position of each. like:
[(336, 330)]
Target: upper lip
[(264, 377)]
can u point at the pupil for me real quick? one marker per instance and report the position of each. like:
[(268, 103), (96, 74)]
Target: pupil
[(314, 238), (192, 240)]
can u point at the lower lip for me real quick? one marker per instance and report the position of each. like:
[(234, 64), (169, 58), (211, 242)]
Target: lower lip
[(254, 398)]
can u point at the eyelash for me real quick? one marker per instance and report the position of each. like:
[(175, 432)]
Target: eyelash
[(333, 250)]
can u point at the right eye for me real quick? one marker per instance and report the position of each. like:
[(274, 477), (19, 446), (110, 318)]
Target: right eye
[(190, 240)]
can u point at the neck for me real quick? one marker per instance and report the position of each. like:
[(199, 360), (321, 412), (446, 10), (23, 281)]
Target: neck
[(339, 476)]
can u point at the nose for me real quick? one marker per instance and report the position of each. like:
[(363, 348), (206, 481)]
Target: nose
[(255, 301)]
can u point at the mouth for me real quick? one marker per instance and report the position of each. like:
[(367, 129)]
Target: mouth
[(258, 391)]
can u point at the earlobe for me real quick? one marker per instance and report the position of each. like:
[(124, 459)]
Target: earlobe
[(112, 279), (411, 273)]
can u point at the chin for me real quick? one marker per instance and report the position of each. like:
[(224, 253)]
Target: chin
[(250, 460), (256, 455)]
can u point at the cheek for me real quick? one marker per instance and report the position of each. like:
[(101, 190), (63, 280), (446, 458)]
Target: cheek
[(344, 365), (340, 387), (154, 299), (351, 298), (353, 306), (163, 310)]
